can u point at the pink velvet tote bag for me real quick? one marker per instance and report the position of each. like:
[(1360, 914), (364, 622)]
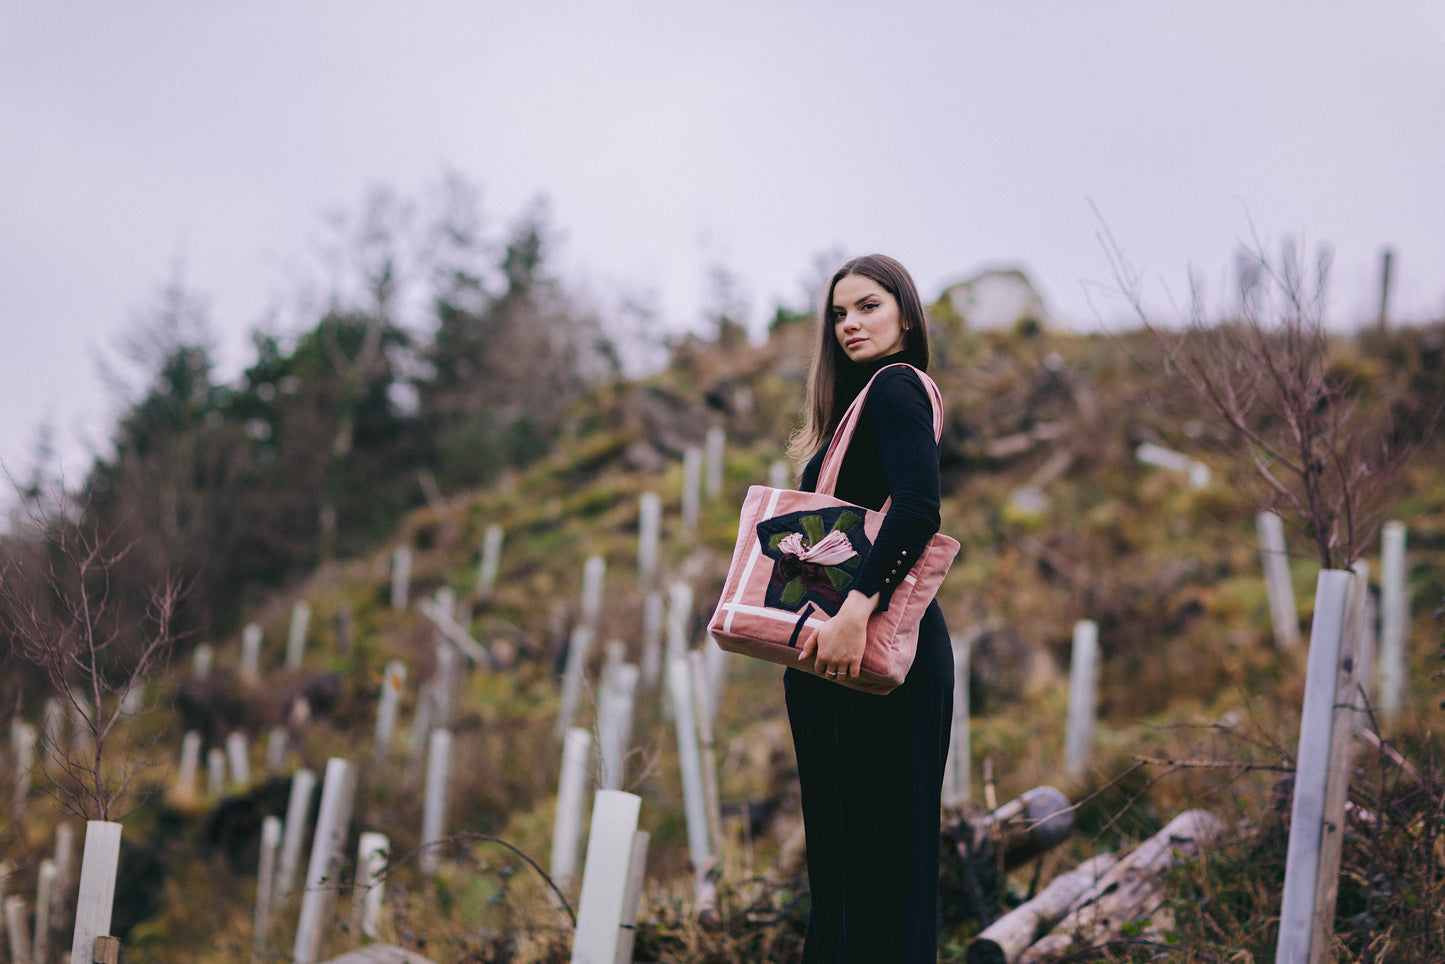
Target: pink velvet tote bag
[(794, 563)]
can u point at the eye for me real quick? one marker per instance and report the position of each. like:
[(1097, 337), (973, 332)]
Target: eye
[(870, 306)]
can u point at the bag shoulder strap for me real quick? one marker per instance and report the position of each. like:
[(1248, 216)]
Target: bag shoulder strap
[(843, 435)]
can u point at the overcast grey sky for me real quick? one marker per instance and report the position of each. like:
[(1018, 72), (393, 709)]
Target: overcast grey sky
[(671, 136)]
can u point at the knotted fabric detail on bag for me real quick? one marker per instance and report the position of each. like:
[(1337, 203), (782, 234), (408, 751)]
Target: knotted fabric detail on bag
[(815, 557)]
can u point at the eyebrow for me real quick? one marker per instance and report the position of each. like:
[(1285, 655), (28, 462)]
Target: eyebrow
[(871, 296)]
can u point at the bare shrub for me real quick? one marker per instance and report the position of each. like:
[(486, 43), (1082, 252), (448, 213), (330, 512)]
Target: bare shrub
[(1320, 446), (62, 611)]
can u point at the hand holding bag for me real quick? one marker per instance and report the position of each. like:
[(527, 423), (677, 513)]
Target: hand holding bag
[(794, 563)]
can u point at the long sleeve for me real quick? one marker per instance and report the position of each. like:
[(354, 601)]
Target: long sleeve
[(897, 425)]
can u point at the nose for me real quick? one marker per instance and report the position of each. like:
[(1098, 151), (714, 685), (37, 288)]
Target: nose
[(850, 322)]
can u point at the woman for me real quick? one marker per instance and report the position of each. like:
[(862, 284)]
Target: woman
[(871, 767)]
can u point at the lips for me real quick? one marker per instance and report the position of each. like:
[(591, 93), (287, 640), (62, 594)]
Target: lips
[(854, 342)]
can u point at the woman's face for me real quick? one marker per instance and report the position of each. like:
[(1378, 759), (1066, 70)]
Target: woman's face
[(866, 320)]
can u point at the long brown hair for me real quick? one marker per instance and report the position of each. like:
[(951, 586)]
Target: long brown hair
[(827, 398)]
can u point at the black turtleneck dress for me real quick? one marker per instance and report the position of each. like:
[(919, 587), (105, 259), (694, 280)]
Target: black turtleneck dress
[(871, 767)]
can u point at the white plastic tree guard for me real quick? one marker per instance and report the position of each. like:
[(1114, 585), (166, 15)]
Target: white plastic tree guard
[(53, 732), (649, 531), (22, 752), (45, 901), (614, 722), (490, 562), (338, 792), (97, 888), (19, 929), (238, 757), (606, 876), (265, 886), (780, 474), (296, 634), (1312, 768), (298, 811), (434, 806), (278, 742), (579, 648), (679, 680), (594, 572), (393, 682), (653, 614), (1394, 619), (202, 660), (571, 805), (691, 483), (957, 785), (1083, 697), (716, 445), (679, 618), (190, 764), (1277, 583), (372, 854), (215, 772), (251, 654), (400, 577)]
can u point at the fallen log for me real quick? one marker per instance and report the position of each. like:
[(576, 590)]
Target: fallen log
[(1003, 940), (1032, 823), (1131, 891)]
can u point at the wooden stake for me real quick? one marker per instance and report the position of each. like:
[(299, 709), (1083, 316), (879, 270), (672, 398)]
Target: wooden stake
[(318, 903), (97, 888), (1349, 711), (633, 898), (605, 878)]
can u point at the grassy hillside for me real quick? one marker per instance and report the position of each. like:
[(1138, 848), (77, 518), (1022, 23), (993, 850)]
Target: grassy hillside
[(1196, 706)]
